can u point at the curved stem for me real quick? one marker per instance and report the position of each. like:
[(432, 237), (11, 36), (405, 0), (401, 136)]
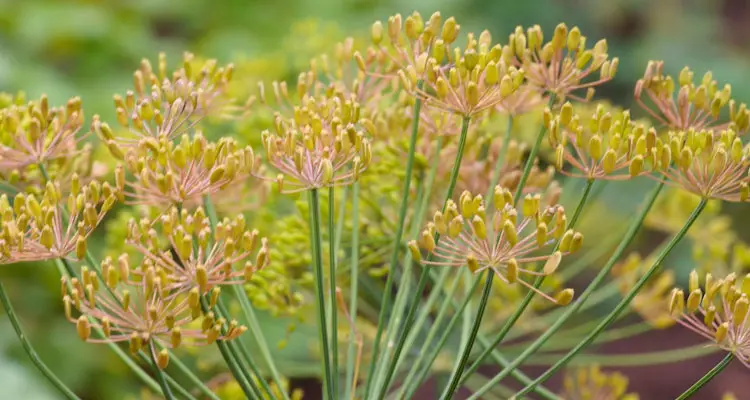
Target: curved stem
[(160, 376), (385, 303), (316, 240), (353, 287), (707, 377), (30, 349), (573, 308), (625, 301), (332, 292), (456, 375)]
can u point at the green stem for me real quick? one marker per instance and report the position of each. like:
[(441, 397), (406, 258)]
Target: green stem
[(625, 301), (650, 358), (160, 376), (248, 311), (385, 304), (500, 158), (30, 349), (707, 377), (425, 275), (456, 374), (332, 292), (573, 308), (532, 156), (316, 240), (192, 378), (354, 278)]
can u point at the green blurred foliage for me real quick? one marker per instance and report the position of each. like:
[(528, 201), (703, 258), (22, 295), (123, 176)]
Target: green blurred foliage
[(89, 48)]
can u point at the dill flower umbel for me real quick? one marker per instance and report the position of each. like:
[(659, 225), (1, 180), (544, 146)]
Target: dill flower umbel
[(706, 163), (657, 290), (591, 383), (201, 261), (323, 144), (603, 146), (503, 243), (696, 106), (36, 228), (716, 310), (35, 133), (563, 65), (167, 172), (163, 106), (142, 311)]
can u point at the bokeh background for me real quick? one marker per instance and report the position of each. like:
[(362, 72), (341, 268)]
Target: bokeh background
[(89, 48)]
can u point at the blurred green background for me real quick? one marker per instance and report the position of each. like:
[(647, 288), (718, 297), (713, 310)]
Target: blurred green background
[(89, 48)]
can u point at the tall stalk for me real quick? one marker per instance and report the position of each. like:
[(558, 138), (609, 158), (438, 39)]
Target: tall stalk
[(160, 376), (316, 240), (707, 377), (625, 301), (332, 291), (67, 392), (573, 308), (354, 285), (385, 304)]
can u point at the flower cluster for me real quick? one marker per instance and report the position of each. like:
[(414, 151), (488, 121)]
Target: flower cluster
[(201, 261), (603, 146), (696, 106), (163, 106), (654, 293), (591, 383), (503, 242), (716, 310), (50, 226), (140, 309), (562, 65), (166, 172), (321, 145), (706, 163)]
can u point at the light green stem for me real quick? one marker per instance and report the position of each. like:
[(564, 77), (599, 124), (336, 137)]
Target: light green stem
[(30, 349), (707, 378), (630, 360), (353, 288), (500, 159), (573, 308), (314, 200), (625, 301), (385, 304), (160, 377), (332, 293)]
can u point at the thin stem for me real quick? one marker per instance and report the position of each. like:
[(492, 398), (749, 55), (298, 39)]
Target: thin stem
[(385, 304), (532, 155), (573, 308), (316, 240), (456, 375), (30, 349), (425, 275), (192, 378), (500, 158), (625, 301), (351, 356), (247, 310), (160, 376), (649, 358), (707, 377), (332, 292)]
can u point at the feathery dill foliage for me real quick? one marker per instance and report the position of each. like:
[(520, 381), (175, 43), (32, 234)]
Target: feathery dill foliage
[(403, 188)]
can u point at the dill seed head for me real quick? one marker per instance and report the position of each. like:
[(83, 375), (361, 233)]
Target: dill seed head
[(506, 242), (706, 163), (166, 106), (716, 309), (591, 383), (49, 226), (166, 172), (602, 146), (322, 144), (37, 133), (204, 261), (694, 106), (647, 303), (563, 65)]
